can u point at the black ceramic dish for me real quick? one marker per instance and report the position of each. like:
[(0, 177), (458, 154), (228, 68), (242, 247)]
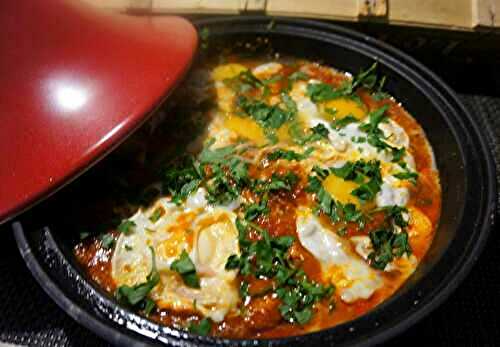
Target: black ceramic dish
[(467, 177)]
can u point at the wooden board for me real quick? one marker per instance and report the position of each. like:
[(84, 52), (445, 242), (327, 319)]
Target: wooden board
[(446, 14)]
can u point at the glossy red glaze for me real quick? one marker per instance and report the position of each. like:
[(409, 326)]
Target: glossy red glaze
[(74, 83)]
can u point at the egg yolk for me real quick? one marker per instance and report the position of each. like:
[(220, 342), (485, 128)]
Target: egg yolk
[(341, 190), (223, 72), (249, 129), (344, 107)]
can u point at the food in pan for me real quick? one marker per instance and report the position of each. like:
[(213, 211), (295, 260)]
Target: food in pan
[(305, 197)]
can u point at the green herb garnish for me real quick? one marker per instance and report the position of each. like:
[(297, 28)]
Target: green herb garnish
[(107, 241), (406, 174), (181, 180), (137, 294), (387, 245), (342, 122), (185, 267), (268, 258), (289, 155), (126, 227), (157, 213), (202, 328)]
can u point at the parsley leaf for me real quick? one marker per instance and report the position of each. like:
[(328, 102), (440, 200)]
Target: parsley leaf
[(317, 133), (268, 117), (407, 174), (378, 94), (335, 210), (134, 295), (273, 79), (268, 257), (289, 155), (298, 76), (397, 214), (366, 174), (366, 78), (277, 182), (319, 92), (342, 122), (126, 227), (107, 241), (181, 180), (185, 267), (387, 245), (243, 82), (375, 136), (252, 211), (375, 118), (157, 213), (203, 327), (216, 156), (149, 306)]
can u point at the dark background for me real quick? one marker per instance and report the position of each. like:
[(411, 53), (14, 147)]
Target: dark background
[(469, 317)]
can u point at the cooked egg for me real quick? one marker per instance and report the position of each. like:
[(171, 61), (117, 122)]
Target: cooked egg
[(343, 107), (354, 278), (209, 236)]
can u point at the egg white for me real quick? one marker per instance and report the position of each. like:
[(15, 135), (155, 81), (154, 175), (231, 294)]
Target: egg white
[(353, 277), (214, 238)]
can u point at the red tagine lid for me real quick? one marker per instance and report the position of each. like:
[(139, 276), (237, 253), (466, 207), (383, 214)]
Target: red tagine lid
[(74, 83)]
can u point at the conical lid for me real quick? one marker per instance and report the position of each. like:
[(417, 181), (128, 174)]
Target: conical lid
[(74, 84)]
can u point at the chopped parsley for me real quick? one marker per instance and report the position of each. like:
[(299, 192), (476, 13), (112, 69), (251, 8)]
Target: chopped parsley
[(273, 79), (149, 306), (375, 136), (157, 213), (228, 174), (335, 210), (298, 76), (126, 227), (107, 241), (289, 155), (378, 94), (225, 183), (406, 174), (316, 133), (366, 174), (320, 92), (268, 258), (185, 267), (277, 182), (243, 82), (137, 295), (387, 245), (181, 180), (252, 211), (268, 117), (215, 156), (342, 122), (203, 327), (392, 240)]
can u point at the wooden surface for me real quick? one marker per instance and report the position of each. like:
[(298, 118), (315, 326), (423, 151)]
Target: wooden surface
[(446, 14)]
